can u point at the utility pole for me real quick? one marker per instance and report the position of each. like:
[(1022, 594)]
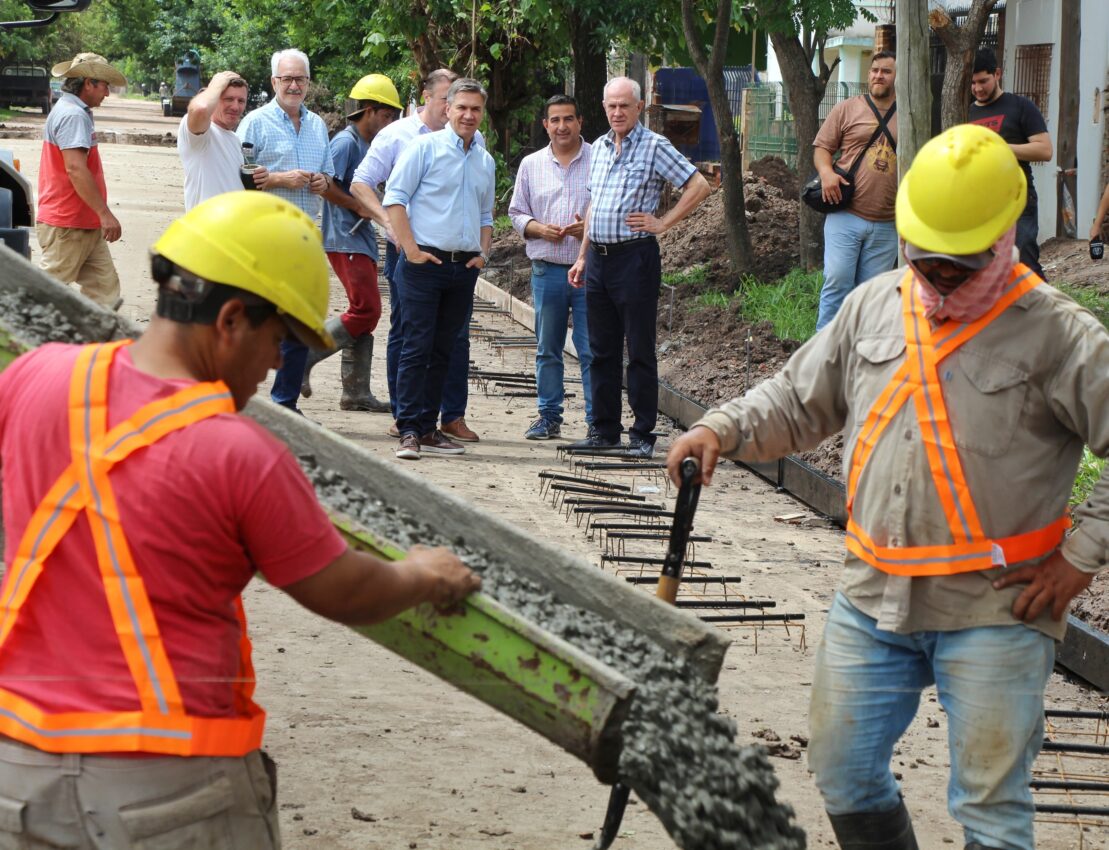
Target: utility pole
[(914, 82)]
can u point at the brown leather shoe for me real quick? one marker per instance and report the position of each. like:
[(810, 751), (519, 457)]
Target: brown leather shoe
[(459, 430), (393, 432)]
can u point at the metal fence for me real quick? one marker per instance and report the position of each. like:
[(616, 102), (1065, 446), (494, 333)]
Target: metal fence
[(768, 128)]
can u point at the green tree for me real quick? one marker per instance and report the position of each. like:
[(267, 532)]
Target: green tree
[(799, 30)]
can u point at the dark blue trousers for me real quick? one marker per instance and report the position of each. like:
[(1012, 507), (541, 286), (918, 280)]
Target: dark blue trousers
[(286, 383), (456, 389), (621, 297), (438, 301), (1028, 231)]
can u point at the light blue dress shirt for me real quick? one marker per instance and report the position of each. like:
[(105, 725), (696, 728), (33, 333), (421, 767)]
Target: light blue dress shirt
[(279, 147), (447, 190)]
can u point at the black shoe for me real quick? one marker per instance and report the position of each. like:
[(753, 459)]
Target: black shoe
[(594, 441), (640, 448)]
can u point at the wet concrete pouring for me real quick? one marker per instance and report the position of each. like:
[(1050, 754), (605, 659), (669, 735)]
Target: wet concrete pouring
[(678, 753)]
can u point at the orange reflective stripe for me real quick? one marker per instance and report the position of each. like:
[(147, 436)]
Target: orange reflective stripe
[(919, 560), (161, 725), (130, 731), (918, 378), (935, 427)]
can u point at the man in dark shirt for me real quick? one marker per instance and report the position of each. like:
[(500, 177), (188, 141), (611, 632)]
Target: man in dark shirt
[(1019, 123)]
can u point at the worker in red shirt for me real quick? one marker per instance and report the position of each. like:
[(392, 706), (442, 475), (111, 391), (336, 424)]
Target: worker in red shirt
[(137, 507)]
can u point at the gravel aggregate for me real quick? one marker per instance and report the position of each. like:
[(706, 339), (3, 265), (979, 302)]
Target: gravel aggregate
[(679, 753)]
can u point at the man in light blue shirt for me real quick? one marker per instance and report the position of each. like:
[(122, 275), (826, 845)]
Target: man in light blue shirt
[(440, 203), (373, 171), (291, 143)]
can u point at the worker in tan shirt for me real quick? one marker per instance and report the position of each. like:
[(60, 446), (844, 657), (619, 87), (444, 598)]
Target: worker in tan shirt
[(966, 389)]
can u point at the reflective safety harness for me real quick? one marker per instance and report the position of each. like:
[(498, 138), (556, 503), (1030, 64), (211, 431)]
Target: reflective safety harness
[(160, 723), (918, 378)]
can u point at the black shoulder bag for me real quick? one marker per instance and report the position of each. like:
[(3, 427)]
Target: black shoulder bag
[(811, 191)]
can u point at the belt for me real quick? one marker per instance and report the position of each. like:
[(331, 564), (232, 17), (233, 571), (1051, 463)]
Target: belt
[(617, 247), (450, 256)]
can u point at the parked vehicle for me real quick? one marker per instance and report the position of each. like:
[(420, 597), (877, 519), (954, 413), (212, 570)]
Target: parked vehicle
[(25, 85), (186, 84), (17, 206)]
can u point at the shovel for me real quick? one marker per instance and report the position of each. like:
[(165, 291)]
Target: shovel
[(668, 583)]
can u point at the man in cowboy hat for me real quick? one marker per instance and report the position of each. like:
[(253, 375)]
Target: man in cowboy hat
[(74, 222)]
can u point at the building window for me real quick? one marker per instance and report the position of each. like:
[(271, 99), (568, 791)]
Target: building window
[(1033, 74)]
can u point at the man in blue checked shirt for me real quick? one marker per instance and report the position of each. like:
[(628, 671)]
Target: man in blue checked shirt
[(291, 143), (439, 198), (619, 266)]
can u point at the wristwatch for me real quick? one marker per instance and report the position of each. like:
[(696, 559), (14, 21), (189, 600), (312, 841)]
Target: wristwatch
[(484, 258)]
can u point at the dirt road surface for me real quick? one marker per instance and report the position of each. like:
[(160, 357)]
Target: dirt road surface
[(375, 753)]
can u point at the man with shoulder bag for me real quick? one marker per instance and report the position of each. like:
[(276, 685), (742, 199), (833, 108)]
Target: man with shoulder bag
[(860, 241)]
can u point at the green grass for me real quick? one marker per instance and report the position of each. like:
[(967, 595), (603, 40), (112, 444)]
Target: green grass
[(502, 224), (1095, 302), (789, 304), (694, 274), (714, 299)]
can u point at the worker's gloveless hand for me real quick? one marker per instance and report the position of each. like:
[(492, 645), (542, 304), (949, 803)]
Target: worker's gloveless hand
[(830, 183), (1053, 582), (448, 580), (700, 443)]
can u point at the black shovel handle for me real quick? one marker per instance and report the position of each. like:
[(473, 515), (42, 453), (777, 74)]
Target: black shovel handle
[(684, 509)]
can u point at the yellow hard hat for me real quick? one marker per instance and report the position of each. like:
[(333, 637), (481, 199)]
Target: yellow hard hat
[(262, 244), (376, 87), (964, 190)]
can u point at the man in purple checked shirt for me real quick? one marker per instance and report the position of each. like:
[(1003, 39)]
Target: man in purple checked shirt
[(548, 207)]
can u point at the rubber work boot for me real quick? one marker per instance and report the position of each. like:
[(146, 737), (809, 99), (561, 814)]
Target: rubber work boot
[(343, 341), (356, 367), (889, 830)]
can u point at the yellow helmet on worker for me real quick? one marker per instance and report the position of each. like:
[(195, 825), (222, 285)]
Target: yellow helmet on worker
[(962, 193), (376, 87), (258, 243)]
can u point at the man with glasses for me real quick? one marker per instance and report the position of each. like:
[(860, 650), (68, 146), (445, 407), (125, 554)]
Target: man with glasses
[(965, 388), (372, 173), (291, 144), (74, 224)]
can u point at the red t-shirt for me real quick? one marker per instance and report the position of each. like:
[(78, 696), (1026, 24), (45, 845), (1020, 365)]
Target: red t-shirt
[(202, 509), (68, 127)]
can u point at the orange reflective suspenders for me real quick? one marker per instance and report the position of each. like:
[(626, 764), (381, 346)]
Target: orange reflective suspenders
[(160, 723), (918, 378)]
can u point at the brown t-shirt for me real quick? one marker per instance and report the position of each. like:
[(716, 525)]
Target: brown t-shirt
[(849, 127)]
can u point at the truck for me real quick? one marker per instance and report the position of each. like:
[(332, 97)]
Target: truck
[(25, 85)]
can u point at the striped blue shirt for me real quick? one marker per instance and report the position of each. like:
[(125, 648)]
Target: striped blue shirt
[(447, 190), (631, 182), (279, 147)]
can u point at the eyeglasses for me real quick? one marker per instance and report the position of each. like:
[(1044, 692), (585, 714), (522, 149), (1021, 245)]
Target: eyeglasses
[(927, 266), (288, 81)]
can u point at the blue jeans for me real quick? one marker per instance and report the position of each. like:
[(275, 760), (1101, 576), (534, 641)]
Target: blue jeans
[(855, 250), (456, 390), (554, 300), (286, 383), (438, 300), (990, 682)]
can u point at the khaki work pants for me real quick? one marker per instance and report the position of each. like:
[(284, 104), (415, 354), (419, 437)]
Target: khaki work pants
[(73, 255), (92, 802)]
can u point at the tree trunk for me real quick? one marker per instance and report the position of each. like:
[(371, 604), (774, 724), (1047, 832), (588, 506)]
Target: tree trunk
[(960, 43), (590, 76), (711, 68), (913, 86), (805, 91)]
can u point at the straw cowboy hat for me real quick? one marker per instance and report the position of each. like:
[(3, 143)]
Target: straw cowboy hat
[(92, 66)]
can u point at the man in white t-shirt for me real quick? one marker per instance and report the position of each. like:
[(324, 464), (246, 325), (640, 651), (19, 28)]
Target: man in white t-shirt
[(210, 151)]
